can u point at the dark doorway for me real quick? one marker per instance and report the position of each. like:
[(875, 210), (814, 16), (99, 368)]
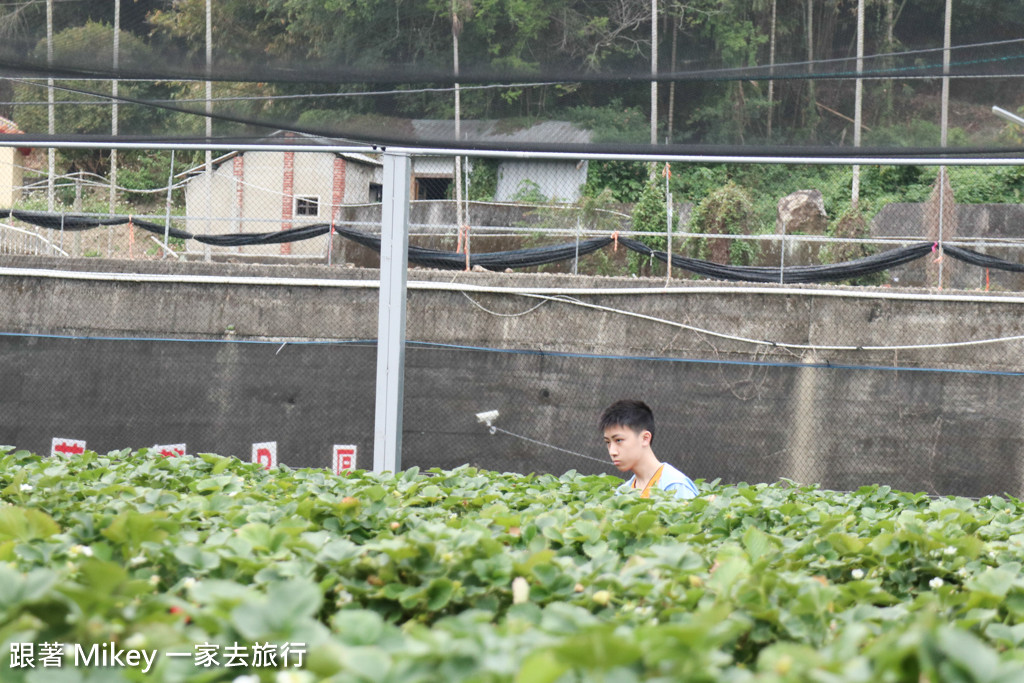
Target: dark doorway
[(433, 188)]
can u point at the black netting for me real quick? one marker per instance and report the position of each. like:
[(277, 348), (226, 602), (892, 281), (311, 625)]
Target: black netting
[(572, 76), (843, 427), (536, 256)]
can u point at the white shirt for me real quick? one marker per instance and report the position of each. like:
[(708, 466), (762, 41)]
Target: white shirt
[(671, 480)]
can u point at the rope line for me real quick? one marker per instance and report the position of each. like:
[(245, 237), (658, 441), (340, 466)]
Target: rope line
[(547, 445), (765, 342)]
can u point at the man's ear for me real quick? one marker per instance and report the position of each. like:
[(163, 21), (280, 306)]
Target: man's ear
[(646, 437)]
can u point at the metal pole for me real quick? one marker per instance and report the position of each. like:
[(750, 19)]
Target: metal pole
[(1009, 116), (942, 216), (576, 259), (394, 261), (459, 218), (782, 256), (167, 216), (946, 40), (51, 153), (668, 226), (858, 101), (113, 108), (654, 72), (209, 124)]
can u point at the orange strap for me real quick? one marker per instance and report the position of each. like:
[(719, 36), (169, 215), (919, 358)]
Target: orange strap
[(646, 493), (615, 237)]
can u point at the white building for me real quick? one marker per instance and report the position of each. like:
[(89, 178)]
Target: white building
[(263, 191), (12, 163), (555, 180)]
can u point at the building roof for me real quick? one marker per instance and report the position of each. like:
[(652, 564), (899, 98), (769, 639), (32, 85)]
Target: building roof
[(350, 156), (500, 131), (8, 127)]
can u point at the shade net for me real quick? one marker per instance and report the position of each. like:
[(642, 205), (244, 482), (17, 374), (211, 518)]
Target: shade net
[(932, 420), (564, 76)]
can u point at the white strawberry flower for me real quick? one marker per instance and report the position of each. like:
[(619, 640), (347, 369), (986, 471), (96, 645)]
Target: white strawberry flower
[(520, 590)]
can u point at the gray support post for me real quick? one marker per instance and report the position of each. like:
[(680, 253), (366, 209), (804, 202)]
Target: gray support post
[(394, 261)]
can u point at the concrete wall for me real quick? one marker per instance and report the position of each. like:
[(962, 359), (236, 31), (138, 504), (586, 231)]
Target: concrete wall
[(98, 359), (971, 221), (556, 180)]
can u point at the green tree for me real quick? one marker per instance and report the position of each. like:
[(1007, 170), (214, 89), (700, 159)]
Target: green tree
[(725, 211), (649, 215), (97, 117)]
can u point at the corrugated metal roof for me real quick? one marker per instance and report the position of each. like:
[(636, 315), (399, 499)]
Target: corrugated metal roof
[(501, 131), (351, 156), (9, 127)]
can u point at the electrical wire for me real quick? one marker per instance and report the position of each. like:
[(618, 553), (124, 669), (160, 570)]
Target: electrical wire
[(502, 315), (765, 342), (547, 445)]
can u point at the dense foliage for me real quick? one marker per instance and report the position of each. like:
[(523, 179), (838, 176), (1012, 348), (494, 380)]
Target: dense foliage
[(469, 575), (529, 37)]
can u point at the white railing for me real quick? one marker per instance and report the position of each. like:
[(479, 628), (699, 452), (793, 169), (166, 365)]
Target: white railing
[(20, 241)]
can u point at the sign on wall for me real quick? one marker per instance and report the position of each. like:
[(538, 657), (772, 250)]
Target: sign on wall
[(61, 446), (265, 454), (172, 450), (344, 459)]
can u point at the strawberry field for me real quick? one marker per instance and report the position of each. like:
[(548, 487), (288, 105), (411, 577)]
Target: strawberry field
[(135, 567)]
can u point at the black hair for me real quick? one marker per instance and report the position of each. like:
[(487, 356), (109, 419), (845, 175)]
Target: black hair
[(635, 415)]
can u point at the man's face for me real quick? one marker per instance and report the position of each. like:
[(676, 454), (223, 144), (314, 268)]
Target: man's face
[(625, 447)]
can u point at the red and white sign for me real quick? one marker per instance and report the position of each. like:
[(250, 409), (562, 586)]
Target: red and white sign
[(265, 454), (344, 459), (171, 450), (67, 447)]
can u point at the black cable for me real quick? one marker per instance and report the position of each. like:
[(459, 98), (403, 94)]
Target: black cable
[(536, 256)]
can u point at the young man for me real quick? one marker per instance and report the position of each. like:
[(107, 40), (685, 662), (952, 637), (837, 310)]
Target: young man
[(628, 428)]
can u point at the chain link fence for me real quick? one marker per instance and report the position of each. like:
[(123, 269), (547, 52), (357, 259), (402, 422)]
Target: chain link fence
[(907, 376)]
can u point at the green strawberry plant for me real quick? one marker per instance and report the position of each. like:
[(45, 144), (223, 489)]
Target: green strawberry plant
[(475, 576)]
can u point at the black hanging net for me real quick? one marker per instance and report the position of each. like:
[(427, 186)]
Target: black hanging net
[(701, 77)]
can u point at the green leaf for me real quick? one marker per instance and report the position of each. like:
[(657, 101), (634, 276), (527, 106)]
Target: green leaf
[(600, 649), (192, 556), (994, 581), (440, 593), (541, 667), (757, 543), (17, 588), (26, 524), (358, 627)]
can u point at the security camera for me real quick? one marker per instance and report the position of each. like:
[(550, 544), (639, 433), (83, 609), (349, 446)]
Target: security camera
[(487, 417)]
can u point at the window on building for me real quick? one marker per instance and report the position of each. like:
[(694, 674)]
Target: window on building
[(433, 188), (307, 206), (376, 192)]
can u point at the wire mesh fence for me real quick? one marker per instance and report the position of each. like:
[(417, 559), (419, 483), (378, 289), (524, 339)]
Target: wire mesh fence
[(838, 385), (761, 215)]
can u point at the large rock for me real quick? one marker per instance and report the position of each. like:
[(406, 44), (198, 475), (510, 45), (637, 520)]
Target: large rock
[(802, 212)]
